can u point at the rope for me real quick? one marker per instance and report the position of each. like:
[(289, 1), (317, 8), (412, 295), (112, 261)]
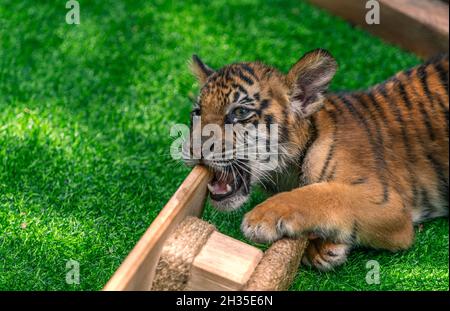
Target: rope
[(278, 267), (178, 253)]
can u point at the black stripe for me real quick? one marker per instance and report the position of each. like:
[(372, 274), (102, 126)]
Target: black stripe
[(236, 96), (379, 108), (427, 207), (354, 235), (249, 69), (244, 77), (427, 122), (443, 76), (264, 104), (285, 126), (422, 76), (332, 174), (445, 112), (332, 147), (240, 88), (268, 119), (227, 72), (247, 100), (327, 162), (432, 99), (439, 171), (312, 136), (404, 95)]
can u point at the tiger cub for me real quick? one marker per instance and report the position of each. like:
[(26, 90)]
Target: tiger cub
[(354, 168)]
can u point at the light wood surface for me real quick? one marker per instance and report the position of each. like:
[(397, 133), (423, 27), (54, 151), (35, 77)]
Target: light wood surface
[(223, 263), (137, 271), (421, 26)]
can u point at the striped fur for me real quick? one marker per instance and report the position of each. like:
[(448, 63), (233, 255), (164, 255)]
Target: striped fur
[(358, 168)]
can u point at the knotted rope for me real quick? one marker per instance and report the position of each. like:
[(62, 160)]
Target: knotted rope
[(178, 253), (278, 267), (275, 271)]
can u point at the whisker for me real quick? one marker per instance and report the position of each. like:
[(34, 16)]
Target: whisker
[(243, 179)]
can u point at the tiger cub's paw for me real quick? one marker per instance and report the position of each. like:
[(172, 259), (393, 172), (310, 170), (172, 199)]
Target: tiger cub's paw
[(270, 221), (325, 255)]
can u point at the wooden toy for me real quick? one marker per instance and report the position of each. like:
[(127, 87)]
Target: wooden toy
[(179, 251)]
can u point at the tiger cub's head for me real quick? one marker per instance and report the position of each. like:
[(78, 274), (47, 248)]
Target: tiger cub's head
[(269, 116)]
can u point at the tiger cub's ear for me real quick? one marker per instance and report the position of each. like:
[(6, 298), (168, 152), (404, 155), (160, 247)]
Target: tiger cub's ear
[(308, 79), (200, 70)]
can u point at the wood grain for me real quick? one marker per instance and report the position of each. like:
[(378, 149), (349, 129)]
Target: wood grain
[(421, 26), (223, 263), (137, 271)]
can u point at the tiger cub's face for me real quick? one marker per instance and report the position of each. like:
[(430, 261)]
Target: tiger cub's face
[(267, 113)]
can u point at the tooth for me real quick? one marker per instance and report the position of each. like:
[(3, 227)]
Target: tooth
[(228, 188), (211, 188)]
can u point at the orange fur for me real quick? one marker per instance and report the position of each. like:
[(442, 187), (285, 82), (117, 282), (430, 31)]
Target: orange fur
[(369, 163)]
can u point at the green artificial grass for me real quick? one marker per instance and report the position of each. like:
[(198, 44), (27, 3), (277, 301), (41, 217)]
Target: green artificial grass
[(85, 113)]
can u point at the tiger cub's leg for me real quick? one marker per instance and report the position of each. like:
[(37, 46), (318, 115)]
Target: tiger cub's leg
[(335, 212)]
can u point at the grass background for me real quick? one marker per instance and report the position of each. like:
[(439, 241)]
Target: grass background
[(85, 113)]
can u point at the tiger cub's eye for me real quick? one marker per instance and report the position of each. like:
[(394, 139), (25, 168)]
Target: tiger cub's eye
[(242, 113)]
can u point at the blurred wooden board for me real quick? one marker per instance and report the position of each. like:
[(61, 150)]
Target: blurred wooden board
[(137, 271), (420, 26), (223, 264)]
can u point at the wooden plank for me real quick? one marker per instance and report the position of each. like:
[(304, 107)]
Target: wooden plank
[(416, 25), (137, 271), (223, 263)]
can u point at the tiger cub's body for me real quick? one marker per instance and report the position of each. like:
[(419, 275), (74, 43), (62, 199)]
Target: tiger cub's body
[(392, 138), (364, 166)]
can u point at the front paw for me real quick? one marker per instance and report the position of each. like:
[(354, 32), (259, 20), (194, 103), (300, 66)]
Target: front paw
[(270, 221)]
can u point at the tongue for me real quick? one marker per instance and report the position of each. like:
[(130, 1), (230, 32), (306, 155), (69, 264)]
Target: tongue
[(219, 187)]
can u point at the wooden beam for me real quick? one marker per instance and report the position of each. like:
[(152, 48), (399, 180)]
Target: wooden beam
[(421, 26), (223, 263), (137, 271)]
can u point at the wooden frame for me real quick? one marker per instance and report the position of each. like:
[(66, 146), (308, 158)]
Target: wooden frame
[(179, 252), (138, 269), (421, 26)]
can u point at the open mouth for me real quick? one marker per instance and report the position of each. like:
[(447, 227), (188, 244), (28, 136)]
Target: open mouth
[(225, 185)]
